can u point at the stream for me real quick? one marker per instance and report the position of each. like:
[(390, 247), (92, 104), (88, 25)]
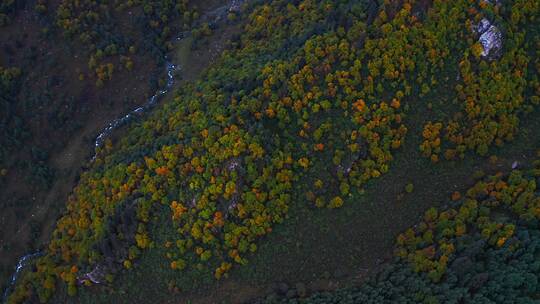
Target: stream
[(212, 17), (113, 125), (20, 265)]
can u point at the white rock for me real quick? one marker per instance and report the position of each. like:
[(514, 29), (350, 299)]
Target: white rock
[(490, 38), (483, 26)]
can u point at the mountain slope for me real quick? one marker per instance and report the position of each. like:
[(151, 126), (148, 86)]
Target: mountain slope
[(307, 108)]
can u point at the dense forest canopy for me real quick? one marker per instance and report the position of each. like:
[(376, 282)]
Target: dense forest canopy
[(307, 106)]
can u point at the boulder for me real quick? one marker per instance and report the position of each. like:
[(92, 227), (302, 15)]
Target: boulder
[(490, 39)]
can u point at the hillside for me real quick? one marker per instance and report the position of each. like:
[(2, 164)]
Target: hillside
[(56, 99), (482, 249), (297, 152)]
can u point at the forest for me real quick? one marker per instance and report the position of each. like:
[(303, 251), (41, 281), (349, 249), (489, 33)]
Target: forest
[(307, 114)]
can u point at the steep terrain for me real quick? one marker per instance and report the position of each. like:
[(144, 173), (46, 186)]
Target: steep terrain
[(379, 109), (52, 106)]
